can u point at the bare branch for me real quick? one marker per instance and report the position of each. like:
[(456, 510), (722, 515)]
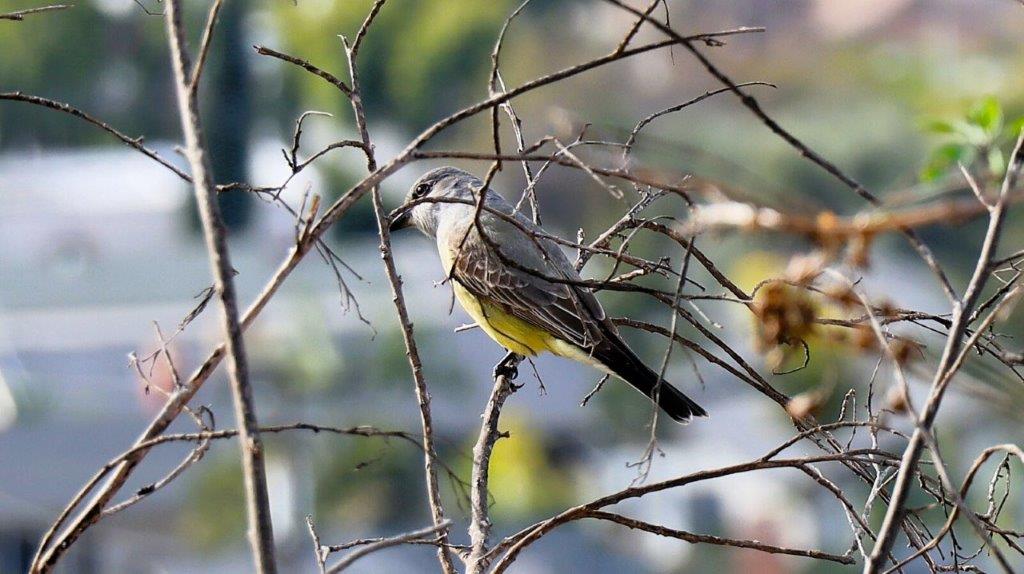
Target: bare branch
[(628, 146), (637, 24), (261, 532), (329, 77), (480, 522), (20, 14), (204, 46), (716, 540), (515, 544), (412, 352), (948, 364), (388, 543), (135, 143), (319, 551)]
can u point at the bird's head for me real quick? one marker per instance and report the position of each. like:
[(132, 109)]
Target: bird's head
[(446, 186)]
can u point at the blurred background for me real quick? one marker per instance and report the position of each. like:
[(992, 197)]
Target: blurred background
[(97, 242)]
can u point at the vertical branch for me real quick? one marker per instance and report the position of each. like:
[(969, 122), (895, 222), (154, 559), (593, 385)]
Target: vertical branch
[(422, 393), (395, 281), (948, 365), (261, 532), (480, 522)]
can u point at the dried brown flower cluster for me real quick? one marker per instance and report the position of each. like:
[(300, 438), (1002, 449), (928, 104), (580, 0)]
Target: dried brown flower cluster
[(785, 314)]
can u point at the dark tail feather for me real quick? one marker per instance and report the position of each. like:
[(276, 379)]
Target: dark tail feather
[(628, 367)]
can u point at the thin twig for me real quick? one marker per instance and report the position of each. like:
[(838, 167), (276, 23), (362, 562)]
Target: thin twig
[(135, 143), (329, 77), (717, 540), (204, 46), (395, 282), (20, 14), (387, 543)]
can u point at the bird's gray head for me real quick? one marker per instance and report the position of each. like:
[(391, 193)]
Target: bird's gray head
[(444, 182)]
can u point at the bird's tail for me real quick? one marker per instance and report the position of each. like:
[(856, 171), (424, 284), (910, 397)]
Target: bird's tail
[(621, 361)]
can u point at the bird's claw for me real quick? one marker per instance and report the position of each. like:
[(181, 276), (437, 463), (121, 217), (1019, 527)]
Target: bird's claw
[(510, 372), (508, 367)]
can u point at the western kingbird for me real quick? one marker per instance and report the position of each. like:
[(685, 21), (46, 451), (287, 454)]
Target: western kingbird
[(518, 285)]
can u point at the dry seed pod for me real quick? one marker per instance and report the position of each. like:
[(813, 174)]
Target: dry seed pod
[(864, 338), (859, 250), (775, 357), (827, 233), (806, 403), (896, 399), (886, 310), (904, 350), (804, 269), (844, 295), (784, 313)]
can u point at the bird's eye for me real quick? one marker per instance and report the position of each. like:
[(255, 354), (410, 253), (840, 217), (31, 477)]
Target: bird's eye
[(420, 190)]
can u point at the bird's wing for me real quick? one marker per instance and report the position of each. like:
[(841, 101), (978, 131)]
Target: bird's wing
[(514, 278)]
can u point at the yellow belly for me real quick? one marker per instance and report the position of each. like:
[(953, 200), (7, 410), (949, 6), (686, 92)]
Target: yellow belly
[(517, 335), (509, 331)]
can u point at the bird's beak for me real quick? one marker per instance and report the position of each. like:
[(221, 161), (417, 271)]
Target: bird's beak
[(400, 219)]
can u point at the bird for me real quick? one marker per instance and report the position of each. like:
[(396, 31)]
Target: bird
[(519, 287)]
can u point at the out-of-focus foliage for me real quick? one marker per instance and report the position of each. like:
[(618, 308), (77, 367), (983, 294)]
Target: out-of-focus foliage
[(369, 482), (981, 137), (112, 64), (216, 503), (422, 59), (522, 474), (298, 364)]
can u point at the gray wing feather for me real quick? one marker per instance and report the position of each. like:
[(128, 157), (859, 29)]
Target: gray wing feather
[(570, 312)]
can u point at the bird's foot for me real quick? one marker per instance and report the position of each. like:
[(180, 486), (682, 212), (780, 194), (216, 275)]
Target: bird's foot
[(508, 367)]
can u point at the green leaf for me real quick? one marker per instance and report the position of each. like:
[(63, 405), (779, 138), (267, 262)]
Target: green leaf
[(940, 127), (988, 115), (1013, 128), (943, 158), (996, 161)]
